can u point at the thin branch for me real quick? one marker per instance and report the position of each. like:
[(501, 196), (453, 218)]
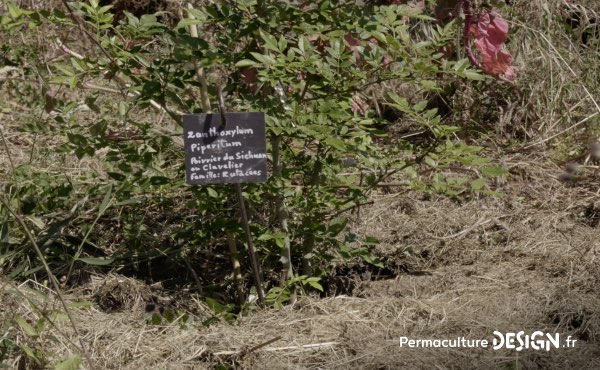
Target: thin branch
[(68, 50), (204, 99), (90, 86), (237, 268), (480, 222), (350, 208), (281, 214)]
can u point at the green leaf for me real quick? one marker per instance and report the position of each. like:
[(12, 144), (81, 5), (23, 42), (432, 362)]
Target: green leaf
[(155, 320), (14, 11), (480, 160), (67, 70), (123, 108), (282, 43), (314, 282), (264, 59), (264, 237), (77, 139), (117, 176), (420, 106), (37, 222), (270, 41), (104, 9), (245, 63), (336, 143), (212, 193), (106, 201), (494, 171), (4, 233), (81, 304), (337, 225), (128, 202), (372, 259), (478, 184), (58, 317), (159, 180), (430, 162), (303, 44), (399, 102), (370, 240), (215, 306), (280, 242), (25, 326), (97, 261), (72, 363), (30, 353), (169, 315), (132, 19), (315, 285), (430, 85), (69, 80), (187, 22), (461, 65), (473, 75)]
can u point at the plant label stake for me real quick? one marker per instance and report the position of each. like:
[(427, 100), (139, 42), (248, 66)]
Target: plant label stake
[(228, 148)]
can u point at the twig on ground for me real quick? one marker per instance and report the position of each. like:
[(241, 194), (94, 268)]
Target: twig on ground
[(259, 346), (491, 279), (463, 232), (305, 347)]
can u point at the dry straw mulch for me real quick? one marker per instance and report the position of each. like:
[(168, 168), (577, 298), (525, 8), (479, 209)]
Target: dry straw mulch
[(526, 261)]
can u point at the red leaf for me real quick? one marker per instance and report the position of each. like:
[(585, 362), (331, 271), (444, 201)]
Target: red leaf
[(491, 32)]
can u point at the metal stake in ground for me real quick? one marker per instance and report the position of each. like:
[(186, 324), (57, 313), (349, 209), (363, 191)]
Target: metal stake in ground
[(240, 195), (251, 251)]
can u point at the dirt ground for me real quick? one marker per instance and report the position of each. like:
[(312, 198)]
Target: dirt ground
[(524, 261)]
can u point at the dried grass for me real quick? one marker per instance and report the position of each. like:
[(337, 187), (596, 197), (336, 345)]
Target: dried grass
[(526, 261)]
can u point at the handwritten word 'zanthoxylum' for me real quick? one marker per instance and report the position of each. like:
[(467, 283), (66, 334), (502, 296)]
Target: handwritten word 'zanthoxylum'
[(212, 132)]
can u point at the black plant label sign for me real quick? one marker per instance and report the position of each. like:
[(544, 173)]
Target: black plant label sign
[(217, 153)]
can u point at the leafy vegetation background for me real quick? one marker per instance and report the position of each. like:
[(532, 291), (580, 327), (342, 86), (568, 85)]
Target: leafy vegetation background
[(391, 158)]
